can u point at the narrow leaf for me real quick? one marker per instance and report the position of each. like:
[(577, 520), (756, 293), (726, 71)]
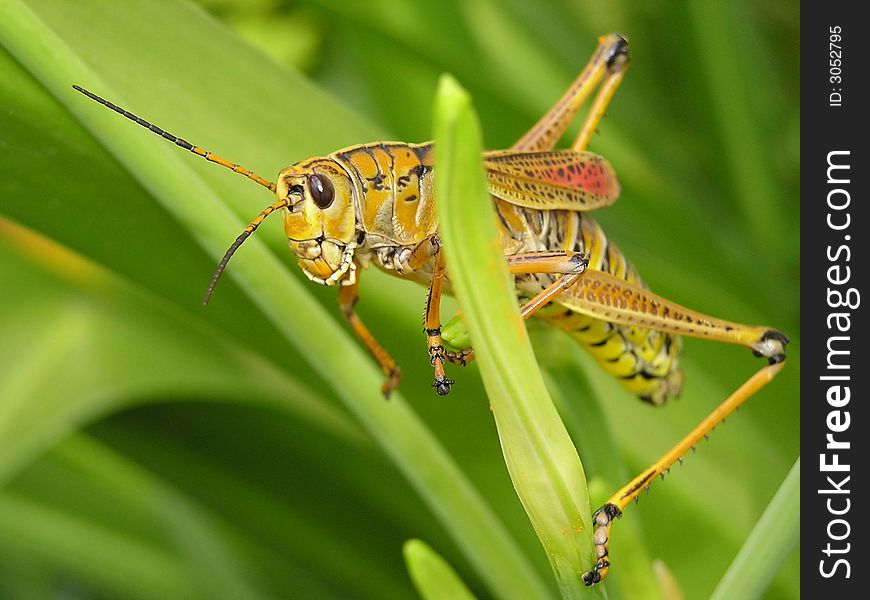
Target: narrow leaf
[(433, 576), (539, 454), (772, 538)]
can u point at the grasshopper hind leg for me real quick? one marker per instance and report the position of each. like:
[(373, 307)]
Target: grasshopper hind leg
[(603, 73), (613, 508), (614, 300)]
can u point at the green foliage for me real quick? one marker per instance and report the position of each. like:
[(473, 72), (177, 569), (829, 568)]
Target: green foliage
[(153, 448), (541, 460), (432, 576), (773, 537)]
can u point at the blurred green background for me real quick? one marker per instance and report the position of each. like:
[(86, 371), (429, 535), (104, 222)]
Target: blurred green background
[(151, 448)]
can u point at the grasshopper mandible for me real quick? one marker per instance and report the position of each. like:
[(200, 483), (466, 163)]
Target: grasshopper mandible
[(375, 204)]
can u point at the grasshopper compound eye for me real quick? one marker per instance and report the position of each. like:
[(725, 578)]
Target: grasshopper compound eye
[(322, 191)]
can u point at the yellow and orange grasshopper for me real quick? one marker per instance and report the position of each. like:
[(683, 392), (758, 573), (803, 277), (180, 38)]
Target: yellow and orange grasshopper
[(375, 204)]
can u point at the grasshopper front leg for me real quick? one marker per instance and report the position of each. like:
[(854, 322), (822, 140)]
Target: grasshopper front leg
[(348, 296)]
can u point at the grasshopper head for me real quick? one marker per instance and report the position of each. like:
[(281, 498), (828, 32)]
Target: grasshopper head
[(320, 219), (316, 197)]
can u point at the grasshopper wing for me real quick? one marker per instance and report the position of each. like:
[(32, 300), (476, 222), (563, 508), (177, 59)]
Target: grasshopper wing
[(551, 180)]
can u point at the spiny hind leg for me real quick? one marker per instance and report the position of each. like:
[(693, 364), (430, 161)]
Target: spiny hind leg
[(604, 72), (612, 299), (612, 509), (608, 298)]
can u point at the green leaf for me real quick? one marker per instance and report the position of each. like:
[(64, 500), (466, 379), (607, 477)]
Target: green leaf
[(771, 540), (730, 81), (110, 558), (105, 316), (583, 414), (539, 454), (433, 576), (84, 481)]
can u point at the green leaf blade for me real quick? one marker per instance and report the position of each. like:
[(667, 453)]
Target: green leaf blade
[(771, 540), (433, 576), (541, 459)]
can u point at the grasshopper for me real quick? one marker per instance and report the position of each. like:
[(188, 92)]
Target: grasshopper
[(375, 204)]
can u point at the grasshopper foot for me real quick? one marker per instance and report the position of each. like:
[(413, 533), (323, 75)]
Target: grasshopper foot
[(603, 521), (442, 386)]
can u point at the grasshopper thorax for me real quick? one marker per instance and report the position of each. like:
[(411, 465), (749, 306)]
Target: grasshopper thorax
[(320, 219)]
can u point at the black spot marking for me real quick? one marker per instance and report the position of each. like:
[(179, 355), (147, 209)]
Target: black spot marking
[(377, 182), (611, 510)]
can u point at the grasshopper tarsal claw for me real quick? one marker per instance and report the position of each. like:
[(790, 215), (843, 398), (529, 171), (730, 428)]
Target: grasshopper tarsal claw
[(442, 387), (460, 358)]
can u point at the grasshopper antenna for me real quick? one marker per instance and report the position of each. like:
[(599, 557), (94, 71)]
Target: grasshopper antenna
[(239, 240), (235, 168)]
